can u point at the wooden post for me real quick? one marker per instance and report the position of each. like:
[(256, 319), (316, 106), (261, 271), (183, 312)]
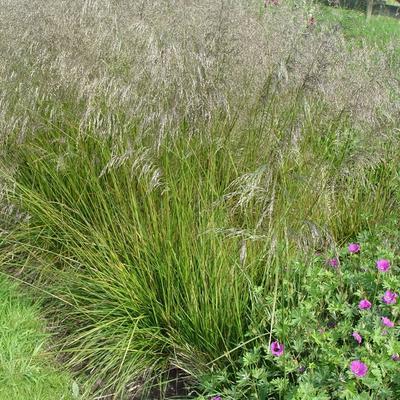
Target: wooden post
[(370, 6)]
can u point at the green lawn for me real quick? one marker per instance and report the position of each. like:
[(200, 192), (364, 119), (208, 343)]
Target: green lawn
[(26, 372), (393, 3), (380, 30)]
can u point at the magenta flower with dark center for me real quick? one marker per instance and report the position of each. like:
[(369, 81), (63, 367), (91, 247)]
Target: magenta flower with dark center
[(354, 248), (390, 297), (364, 304), (396, 357), (387, 322), (357, 337), (333, 262), (277, 348), (383, 265), (217, 398), (358, 368)]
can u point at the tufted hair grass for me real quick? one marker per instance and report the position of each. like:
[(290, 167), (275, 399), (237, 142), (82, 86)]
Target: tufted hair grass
[(163, 159)]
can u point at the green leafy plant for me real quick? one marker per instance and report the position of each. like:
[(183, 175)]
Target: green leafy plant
[(341, 341)]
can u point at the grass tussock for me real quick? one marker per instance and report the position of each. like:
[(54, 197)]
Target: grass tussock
[(162, 159)]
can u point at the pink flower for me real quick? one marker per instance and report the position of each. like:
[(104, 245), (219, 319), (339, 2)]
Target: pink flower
[(357, 337), (311, 21), (383, 265), (364, 304), (277, 348), (354, 248), (387, 322), (390, 297), (358, 368), (395, 357), (333, 262), (217, 398), (271, 2)]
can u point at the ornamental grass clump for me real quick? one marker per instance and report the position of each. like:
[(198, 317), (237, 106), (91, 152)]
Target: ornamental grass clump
[(168, 170)]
